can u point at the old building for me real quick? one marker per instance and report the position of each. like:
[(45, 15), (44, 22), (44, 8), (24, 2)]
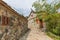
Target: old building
[(34, 22), (10, 20)]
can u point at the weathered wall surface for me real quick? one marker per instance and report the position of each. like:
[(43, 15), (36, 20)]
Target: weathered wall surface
[(12, 25), (35, 23), (32, 24)]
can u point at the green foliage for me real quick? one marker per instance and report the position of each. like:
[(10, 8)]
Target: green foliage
[(47, 12), (53, 24), (57, 6), (37, 6), (53, 36)]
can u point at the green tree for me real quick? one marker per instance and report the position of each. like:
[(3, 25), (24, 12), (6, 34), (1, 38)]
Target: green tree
[(48, 13)]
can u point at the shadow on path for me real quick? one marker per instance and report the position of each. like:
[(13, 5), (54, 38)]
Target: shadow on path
[(25, 36)]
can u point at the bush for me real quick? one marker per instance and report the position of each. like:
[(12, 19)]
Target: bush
[(53, 23)]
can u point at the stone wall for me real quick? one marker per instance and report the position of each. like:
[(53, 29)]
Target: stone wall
[(12, 25), (32, 24)]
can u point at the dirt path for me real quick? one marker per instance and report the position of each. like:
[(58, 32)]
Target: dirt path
[(35, 35)]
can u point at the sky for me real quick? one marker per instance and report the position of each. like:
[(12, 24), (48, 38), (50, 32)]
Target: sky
[(22, 6)]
